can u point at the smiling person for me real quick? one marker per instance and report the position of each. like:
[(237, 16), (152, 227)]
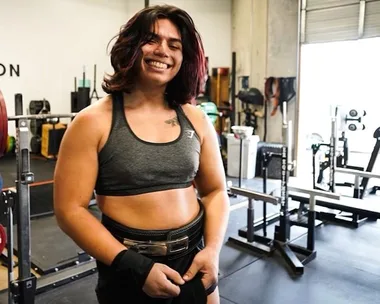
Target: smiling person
[(154, 161)]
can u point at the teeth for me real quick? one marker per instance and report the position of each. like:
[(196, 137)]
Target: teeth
[(157, 64)]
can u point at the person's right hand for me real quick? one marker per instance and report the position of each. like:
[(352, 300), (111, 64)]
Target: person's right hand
[(162, 282)]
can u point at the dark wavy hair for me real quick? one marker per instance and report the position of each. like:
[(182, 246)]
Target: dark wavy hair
[(188, 82)]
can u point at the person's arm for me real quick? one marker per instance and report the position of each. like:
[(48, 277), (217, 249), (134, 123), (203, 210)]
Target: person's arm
[(74, 181), (211, 185)]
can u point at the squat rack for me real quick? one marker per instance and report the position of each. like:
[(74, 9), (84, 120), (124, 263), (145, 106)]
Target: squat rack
[(23, 289)]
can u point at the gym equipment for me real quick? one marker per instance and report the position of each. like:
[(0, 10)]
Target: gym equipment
[(3, 126), (94, 93), (21, 118), (241, 133), (250, 97), (3, 237), (345, 120), (358, 191), (233, 90), (80, 98), (11, 145), (273, 169), (353, 117), (18, 103), (281, 240), (52, 134), (359, 211), (39, 107), (35, 145), (23, 289), (338, 122)]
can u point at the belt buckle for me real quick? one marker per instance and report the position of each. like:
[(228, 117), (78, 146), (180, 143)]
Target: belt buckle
[(146, 247), (158, 248), (173, 246)]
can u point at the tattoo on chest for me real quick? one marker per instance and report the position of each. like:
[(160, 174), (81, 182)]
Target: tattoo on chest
[(173, 121)]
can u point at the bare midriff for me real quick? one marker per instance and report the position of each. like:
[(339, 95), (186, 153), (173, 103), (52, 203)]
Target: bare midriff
[(167, 209)]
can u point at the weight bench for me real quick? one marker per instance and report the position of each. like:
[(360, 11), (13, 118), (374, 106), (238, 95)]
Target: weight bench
[(347, 204), (361, 210)]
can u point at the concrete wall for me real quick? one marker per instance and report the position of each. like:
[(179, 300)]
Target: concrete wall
[(51, 41), (264, 36)]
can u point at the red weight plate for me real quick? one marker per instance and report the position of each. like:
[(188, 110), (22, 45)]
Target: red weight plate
[(3, 238), (3, 126)]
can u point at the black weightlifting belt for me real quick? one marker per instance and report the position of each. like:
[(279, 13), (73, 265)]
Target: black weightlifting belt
[(171, 243)]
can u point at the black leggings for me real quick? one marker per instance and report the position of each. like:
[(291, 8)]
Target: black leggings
[(111, 289)]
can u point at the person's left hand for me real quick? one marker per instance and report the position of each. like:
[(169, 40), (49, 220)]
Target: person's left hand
[(207, 262)]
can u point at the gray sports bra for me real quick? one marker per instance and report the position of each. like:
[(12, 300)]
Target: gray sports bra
[(129, 165)]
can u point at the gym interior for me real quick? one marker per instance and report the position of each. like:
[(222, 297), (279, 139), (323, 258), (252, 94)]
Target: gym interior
[(290, 94)]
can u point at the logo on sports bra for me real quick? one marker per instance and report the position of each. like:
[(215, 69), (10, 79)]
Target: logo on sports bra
[(190, 133)]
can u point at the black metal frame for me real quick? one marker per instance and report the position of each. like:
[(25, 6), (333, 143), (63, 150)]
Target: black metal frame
[(281, 241), (354, 219), (359, 190), (23, 289), (282, 231)]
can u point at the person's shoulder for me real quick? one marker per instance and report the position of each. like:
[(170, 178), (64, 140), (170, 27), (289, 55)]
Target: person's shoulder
[(197, 117), (193, 111)]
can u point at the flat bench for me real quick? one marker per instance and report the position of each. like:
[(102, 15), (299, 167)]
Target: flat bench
[(346, 204)]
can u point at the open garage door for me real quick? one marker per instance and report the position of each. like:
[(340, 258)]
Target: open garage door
[(339, 20)]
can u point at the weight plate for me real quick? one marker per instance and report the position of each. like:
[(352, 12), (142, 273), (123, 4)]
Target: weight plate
[(3, 238), (3, 126), (35, 145), (39, 107), (36, 126)]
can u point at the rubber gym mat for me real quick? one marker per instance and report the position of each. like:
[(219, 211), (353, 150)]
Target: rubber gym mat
[(50, 246), (41, 199), (42, 168), (233, 258), (345, 271)]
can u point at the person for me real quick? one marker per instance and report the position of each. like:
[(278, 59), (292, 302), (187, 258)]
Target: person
[(153, 159)]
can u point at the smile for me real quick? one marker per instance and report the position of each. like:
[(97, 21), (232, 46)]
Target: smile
[(157, 64)]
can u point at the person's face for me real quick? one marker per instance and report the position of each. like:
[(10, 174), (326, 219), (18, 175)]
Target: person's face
[(162, 56)]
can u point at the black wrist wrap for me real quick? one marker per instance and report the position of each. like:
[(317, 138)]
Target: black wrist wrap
[(133, 266)]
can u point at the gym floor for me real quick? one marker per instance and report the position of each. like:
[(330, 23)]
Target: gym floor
[(346, 270)]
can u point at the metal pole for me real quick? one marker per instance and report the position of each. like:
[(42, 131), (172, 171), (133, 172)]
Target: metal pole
[(41, 116), (23, 210), (233, 91), (10, 203), (284, 233), (240, 161), (333, 152), (264, 165), (250, 220), (311, 224), (312, 213), (146, 3), (24, 287), (298, 77), (257, 196)]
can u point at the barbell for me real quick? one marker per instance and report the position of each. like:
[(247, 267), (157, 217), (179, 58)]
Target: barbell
[(4, 119)]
